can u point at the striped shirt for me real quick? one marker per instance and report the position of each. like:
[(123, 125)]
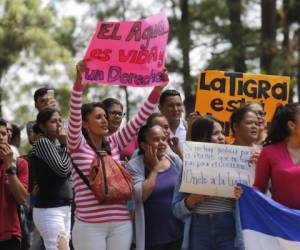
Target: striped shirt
[(88, 208), (54, 155), (214, 204), (50, 164)]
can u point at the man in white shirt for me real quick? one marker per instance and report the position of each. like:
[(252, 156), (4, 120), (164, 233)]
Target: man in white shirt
[(171, 106)]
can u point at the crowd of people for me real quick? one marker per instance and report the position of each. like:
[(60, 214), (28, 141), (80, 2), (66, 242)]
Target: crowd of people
[(91, 184)]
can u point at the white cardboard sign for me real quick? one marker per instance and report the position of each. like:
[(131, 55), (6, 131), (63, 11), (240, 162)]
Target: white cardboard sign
[(214, 169)]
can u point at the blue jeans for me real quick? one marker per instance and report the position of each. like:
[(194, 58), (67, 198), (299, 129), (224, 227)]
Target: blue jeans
[(214, 231)]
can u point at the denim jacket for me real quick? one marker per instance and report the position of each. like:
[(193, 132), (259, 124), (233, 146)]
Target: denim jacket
[(184, 214)]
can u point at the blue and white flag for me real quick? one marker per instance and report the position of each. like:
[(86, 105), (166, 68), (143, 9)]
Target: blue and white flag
[(266, 224)]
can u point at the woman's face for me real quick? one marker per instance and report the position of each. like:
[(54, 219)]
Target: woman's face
[(97, 123), (115, 115), (52, 126), (248, 127), (294, 126), (157, 140), (258, 109), (217, 134), (162, 121)]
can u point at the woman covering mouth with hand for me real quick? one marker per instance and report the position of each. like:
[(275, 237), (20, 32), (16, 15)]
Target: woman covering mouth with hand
[(154, 174)]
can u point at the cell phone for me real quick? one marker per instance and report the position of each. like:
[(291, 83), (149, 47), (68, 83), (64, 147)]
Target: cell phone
[(50, 93)]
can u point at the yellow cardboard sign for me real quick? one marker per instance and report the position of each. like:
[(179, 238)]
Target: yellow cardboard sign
[(219, 93)]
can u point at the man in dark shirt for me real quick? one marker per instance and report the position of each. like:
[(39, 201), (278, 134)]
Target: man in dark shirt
[(13, 191)]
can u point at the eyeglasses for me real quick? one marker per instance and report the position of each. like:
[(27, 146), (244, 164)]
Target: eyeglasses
[(116, 113), (260, 113)]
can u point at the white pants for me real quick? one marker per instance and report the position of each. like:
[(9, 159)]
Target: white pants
[(51, 222), (102, 236)]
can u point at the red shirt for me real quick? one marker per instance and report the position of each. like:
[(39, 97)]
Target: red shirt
[(9, 220), (275, 164)]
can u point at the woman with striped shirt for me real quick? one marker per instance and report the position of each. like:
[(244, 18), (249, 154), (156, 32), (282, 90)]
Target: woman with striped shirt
[(99, 226), (209, 221), (51, 161)]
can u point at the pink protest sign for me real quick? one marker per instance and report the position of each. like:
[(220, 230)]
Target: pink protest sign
[(130, 53)]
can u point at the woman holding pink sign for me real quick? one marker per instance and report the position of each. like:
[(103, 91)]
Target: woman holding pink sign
[(99, 226)]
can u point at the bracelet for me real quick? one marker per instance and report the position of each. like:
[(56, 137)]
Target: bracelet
[(12, 170)]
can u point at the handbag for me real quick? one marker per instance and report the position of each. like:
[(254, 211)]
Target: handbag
[(109, 181)]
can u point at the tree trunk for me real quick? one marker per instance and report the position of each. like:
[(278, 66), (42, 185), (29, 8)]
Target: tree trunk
[(124, 9), (286, 46), (268, 35), (286, 27), (298, 66), (1, 93), (185, 46), (0, 101), (236, 35), (127, 103)]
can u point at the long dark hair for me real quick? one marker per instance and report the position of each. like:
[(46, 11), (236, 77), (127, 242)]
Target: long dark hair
[(43, 117), (202, 128), (86, 110), (279, 130)]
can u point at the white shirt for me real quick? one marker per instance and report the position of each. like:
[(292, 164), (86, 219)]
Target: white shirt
[(180, 133)]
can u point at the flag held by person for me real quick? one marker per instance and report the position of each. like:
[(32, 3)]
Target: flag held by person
[(267, 224)]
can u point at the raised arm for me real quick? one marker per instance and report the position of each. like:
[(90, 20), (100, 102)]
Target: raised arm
[(57, 159), (75, 120), (123, 137)]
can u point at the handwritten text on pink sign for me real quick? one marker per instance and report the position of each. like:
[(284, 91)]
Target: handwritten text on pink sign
[(128, 53)]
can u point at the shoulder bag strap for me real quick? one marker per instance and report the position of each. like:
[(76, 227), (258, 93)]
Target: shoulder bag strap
[(102, 166), (103, 171), (81, 175)]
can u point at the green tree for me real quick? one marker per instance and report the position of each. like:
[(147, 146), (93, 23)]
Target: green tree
[(268, 35), (25, 26)]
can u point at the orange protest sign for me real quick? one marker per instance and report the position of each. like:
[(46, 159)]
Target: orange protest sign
[(219, 93)]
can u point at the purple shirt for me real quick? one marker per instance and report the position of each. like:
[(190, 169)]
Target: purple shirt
[(161, 226)]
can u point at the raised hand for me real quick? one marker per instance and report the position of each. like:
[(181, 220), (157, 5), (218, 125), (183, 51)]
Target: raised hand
[(51, 103), (165, 78), (61, 134), (81, 67), (192, 117)]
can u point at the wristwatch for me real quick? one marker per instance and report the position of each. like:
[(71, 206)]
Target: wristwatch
[(12, 170)]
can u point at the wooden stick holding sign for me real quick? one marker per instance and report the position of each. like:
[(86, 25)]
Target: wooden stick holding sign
[(215, 169)]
